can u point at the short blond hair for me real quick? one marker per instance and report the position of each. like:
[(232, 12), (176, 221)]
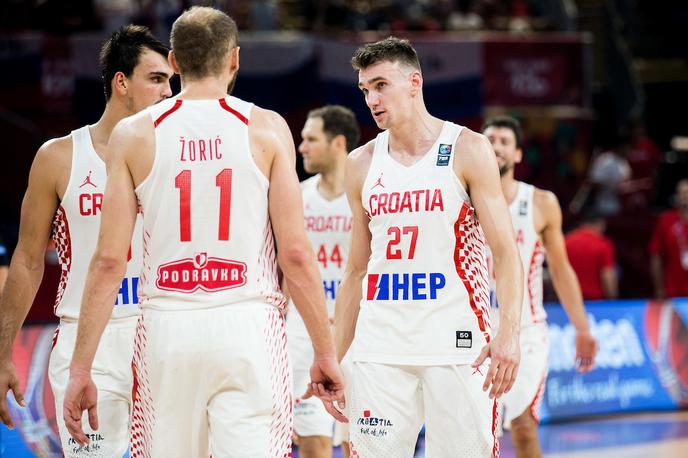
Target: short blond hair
[(201, 38)]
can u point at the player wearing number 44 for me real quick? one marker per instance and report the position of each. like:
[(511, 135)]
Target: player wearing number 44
[(421, 195), (328, 135), (212, 375)]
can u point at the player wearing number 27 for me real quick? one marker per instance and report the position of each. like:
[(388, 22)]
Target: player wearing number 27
[(214, 176), (416, 282)]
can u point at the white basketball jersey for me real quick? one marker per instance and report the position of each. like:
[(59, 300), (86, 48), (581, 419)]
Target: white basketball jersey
[(206, 232), (532, 254), (328, 225), (75, 233), (425, 298)]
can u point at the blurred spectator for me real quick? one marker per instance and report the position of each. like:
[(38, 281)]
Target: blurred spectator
[(644, 155), (669, 248), (608, 173), (4, 261), (593, 258)]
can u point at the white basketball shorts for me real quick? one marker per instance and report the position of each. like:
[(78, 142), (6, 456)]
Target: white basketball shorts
[(388, 404), (112, 375), (213, 381)]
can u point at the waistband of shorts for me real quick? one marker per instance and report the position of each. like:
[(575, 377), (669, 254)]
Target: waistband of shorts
[(255, 305), (112, 322)]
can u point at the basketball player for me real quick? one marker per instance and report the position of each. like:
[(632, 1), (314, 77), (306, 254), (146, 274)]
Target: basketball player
[(536, 216), (63, 200), (421, 195), (328, 135), (214, 175)]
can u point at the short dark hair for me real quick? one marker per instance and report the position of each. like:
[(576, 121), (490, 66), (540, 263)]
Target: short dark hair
[(338, 120), (201, 38), (506, 122), (121, 52), (391, 49)]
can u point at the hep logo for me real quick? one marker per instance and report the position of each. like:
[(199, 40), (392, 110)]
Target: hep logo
[(202, 272), (407, 286)]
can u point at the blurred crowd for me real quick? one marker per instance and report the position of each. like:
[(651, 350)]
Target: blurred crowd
[(634, 202), (321, 16)]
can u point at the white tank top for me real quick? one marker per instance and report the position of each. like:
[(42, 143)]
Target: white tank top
[(206, 232), (328, 225), (75, 233), (532, 253), (425, 298)]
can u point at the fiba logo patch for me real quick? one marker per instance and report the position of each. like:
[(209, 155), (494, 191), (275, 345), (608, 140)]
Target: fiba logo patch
[(443, 155)]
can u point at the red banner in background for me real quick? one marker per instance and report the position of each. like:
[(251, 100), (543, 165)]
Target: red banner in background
[(522, 72)]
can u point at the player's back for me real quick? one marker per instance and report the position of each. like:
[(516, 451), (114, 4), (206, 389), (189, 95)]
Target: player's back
[(207, 235)]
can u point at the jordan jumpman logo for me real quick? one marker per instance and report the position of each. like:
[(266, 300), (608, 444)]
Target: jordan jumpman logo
[(87, 180)]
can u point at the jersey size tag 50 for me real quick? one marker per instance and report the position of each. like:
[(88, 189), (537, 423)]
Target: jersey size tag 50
[(464, 339)]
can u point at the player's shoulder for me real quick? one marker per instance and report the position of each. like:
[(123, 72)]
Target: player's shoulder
[(544, 197), (56, 148), (264, 118), (54, 152), (473, 148), (134, 128), (546, 201), (472, 140), (361, 155)]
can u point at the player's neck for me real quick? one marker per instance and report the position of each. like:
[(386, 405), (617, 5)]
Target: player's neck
[(416, 134), (683, 213), (331, 183), (509, 186), (100, 131), (204, 89)]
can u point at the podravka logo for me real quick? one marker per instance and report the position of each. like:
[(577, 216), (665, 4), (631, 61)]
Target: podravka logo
[(202, 272)]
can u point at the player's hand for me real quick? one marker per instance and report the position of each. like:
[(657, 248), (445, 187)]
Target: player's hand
[(81, 395), (505, 356), (9, 381), (586, 349), (327, 383)]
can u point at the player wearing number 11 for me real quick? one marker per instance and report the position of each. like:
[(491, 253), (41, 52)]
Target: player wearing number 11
[(214, 176), (421, 195)]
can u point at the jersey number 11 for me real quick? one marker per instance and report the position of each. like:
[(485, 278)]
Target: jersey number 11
[(223, 180)]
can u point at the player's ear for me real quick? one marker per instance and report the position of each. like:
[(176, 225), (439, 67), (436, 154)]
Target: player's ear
[(519, 156), (416, 80), (339, 142), (234, 60), (173, 62), (119, 84)]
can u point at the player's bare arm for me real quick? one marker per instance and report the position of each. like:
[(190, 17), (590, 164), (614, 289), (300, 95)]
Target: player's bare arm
[(106, 270), (548, 221), (477, 168), (273, 149), (47, 182), (349, 293), (610, 283)]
